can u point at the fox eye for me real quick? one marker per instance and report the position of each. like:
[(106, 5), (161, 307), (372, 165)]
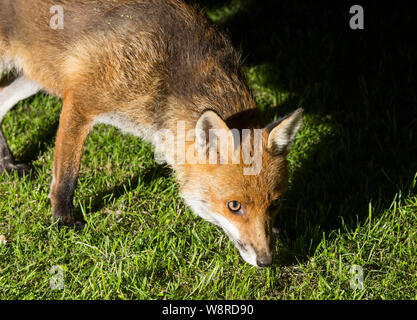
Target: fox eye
[(234, 206), (276, 202)]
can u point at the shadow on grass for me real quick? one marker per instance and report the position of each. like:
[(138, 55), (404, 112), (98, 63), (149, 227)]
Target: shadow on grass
[(38, 145), (145, 176), (361, 81)]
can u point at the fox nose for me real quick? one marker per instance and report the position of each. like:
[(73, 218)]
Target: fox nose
[(264, 260)]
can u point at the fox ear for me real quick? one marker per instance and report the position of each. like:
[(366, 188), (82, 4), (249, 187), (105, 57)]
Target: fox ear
[(282, 132), (208, 124)]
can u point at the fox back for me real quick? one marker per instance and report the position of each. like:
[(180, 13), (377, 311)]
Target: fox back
[(161, 71)]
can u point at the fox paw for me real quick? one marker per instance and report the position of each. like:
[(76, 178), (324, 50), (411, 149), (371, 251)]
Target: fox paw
[(68, 221), (9, 168)]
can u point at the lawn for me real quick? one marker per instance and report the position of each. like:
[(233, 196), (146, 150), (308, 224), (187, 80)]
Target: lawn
[(351, 205)]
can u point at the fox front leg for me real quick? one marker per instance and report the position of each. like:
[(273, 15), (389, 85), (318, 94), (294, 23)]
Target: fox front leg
[(72, 133)]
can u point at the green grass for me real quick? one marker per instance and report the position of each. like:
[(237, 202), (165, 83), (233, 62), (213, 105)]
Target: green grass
[(352, 199)]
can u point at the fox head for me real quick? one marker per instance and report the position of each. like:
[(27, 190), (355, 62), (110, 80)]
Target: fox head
[(243, 203)]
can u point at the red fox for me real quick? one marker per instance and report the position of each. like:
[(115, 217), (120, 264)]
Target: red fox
[(151, 67)]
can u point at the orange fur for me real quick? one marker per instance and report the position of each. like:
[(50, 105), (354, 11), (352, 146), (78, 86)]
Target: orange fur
[(147, 65)]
